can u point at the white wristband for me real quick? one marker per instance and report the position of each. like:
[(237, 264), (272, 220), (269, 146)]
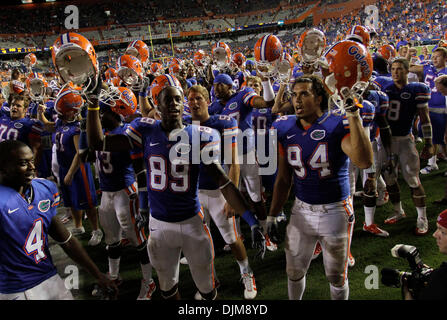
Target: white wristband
[(64, 242), (268, 93)]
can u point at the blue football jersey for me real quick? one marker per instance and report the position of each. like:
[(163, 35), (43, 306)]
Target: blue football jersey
[(227, 129), (172, 183), (24, 129), (383, 82), (240, 107), (25, 259), (115, 168), (262, 121), (320, 166), (65, 148), (381, 103), (4, 111), (404, 104), (437, 100)]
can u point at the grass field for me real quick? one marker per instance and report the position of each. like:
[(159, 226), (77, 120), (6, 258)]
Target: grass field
[(270, 273)]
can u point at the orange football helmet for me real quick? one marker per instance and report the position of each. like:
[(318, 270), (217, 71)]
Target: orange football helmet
[(268, 52), (311, 46), (130, 71), (161, 82), (388, 52), (75, 60), (30, 60), (121, 100), (156, 68), (110, 74), (69, 102), (139, 50), (350, 68), (201, 59), (174, 69), (239, 59), (18, 86), (36, 85), (360, 34), (221, 54)]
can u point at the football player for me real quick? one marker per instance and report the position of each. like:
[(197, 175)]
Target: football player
[(406, 101), (118, 210), (314, 152), (239, 105), (28, 215), (76, 179), (437, 104), (176, 220), (211, 198)]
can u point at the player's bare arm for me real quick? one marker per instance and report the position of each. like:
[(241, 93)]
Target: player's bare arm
[(357, 145), (75, 251), (96, 139), (427, 132)]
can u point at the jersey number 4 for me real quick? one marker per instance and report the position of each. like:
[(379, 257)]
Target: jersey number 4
[(318, 161), (35, 241)]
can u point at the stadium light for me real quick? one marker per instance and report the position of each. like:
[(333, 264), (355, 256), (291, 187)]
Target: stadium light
[(50, 0), (27, 1)]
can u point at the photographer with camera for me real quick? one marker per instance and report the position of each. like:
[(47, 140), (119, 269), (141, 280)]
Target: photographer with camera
[(436, 287)]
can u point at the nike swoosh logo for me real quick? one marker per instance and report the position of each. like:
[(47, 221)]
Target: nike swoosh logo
[(11, 211), (153, 144), (153, 229), (289, 137)]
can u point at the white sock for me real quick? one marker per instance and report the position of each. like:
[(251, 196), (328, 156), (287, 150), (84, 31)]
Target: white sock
[(244, 266), (381, 186), (422, 212), (146, 270), (432, 161), (114, 268), (340, 293), (369, 215), (398, 207), (296, 288)]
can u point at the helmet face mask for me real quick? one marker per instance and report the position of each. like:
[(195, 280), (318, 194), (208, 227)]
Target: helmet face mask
[(220, 57), (311, 46), (121, 100), (37, 89)]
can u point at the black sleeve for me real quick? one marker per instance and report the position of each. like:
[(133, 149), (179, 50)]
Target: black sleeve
[(437, 285)]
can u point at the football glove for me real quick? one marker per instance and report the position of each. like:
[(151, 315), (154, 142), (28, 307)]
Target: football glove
[(272, 229), (258, 241)]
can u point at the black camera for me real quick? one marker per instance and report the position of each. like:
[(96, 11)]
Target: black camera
[(416, 279)]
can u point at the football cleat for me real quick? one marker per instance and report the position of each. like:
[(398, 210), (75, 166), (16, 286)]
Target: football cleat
[(269, 244), (395, 217), (96, 238), (317, 251), (351, 260), (375, 230), (428, 169), (147, 289), (421, 227), (248, 279), (77, 231)]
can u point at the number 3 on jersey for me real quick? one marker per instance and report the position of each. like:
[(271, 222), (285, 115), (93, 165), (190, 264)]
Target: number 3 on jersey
[(35, 241), (318, 161)]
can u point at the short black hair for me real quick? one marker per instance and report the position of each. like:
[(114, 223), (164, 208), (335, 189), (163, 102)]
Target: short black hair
[(6, 148), (380, 64), (317, 87)]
